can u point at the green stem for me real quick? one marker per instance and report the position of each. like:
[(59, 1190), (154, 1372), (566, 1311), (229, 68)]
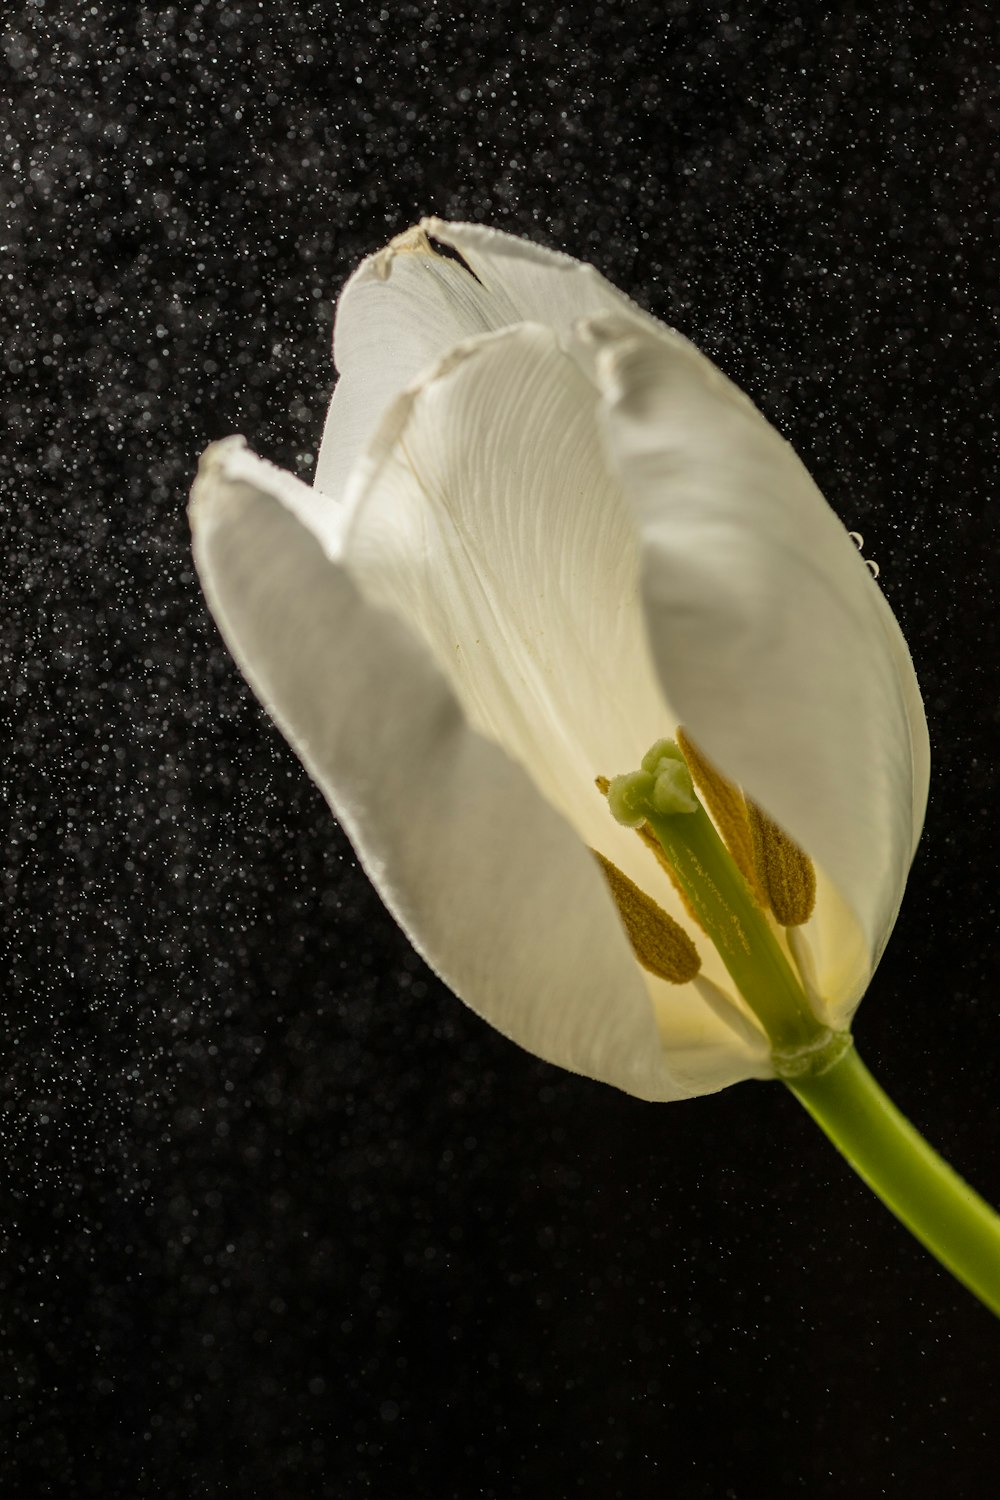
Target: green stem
[(954, 1223)]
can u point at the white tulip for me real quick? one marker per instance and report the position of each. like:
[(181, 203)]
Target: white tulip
[(545, 533)]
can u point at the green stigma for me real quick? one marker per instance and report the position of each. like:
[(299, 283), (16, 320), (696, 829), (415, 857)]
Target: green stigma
[(664, 784)]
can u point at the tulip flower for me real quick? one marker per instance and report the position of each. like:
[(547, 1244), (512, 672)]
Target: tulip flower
[(601, 690)]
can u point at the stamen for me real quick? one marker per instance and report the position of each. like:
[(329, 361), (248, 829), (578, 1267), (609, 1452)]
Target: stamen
[(728, 1012), (725, 802), (784, 870), (659, 943), (805, 963)]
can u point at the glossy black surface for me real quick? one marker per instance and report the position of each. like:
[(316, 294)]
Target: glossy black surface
[(286, 1219)]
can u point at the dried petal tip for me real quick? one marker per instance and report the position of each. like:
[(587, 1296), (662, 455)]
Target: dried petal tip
[(784, 871), (411, 241), (659, 943)]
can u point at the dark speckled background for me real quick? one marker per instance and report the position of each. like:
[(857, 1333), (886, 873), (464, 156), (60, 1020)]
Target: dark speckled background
[(285, 1219)]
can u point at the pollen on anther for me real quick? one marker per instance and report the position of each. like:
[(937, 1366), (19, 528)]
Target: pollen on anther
[(784, 870), (659, 943)]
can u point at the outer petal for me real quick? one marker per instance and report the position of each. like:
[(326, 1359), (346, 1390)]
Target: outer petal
[(770, 635), (487, 879), (920, 749), (406, 306)]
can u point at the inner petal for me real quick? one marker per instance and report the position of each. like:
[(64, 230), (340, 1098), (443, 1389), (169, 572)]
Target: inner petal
[(486, 516)]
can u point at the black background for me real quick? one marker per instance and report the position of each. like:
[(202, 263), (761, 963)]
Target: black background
[(286, 1219)]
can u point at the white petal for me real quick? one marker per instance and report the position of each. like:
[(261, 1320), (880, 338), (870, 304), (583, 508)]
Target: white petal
[(485, 517), (487, 879), (406, 306), (769, 634), (920, 749)]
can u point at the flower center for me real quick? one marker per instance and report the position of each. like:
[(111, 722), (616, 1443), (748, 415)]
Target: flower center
[(727, 889)]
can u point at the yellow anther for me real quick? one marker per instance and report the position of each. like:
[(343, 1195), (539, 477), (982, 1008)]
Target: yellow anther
[(729, 812), (785, 872), (659, 943)]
